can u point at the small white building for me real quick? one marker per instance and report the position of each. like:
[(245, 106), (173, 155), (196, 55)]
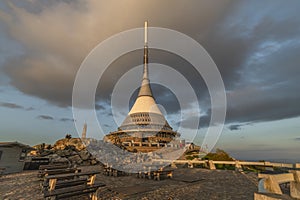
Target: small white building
[(12, 156)]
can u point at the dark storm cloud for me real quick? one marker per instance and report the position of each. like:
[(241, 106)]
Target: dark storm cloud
[(66, 120), (53, 55), (11, 105), (254, 45), (234, 127), (45, 117), (15, 106), (188, 122), (99, 107)]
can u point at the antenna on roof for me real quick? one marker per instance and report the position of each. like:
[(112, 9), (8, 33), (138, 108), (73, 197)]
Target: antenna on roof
[(145, 76), (146, 33)]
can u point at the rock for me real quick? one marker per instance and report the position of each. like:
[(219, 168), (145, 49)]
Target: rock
[(75, 159), (60, 153), (59, 160), (66, 150), (77, 143), (46, 153), (93, 162), (84, 155), (52, 156), (66, 143)]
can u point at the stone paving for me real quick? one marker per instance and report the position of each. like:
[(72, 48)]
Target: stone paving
[(186, 184), (20, 186)]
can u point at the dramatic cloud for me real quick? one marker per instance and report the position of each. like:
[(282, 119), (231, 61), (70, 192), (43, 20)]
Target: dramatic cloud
[(14, 106), (257, 54), (234, 127), (57, 39), (45, 117), (66, 120), (99, 107), (11, 105)]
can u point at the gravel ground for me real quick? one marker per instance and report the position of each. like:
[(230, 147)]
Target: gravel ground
[(186, 184)]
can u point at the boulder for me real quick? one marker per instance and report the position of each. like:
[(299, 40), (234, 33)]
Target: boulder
[(85, 155), (46, 152), (93, 162), (53, 156), (75, 159), (68, 143), (65, 153), (59, 160)]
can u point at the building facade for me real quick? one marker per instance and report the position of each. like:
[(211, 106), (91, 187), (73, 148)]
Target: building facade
[(12, 156)]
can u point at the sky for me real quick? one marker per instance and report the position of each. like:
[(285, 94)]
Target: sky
[(255, 45)]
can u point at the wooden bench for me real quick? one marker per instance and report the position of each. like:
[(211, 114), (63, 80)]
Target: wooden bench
[(107, 170), (72, 184), (147, 171), (110, 171), (144, 174), (51, 180), (44, 168), (270, 184), (64, 183), (159, 173), (50, 172), (71, 191)]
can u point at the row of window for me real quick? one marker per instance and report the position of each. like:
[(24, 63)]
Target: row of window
[(152, 126), (141, 120)]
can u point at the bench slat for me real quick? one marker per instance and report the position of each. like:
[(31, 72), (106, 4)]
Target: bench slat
[(79, 189), (43, 167), (65, 183), (58, 171), (71, 175)]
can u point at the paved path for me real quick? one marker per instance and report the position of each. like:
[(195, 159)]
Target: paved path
[(186, 184)]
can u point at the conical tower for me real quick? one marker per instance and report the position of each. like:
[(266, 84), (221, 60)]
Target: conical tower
[(145, 125)]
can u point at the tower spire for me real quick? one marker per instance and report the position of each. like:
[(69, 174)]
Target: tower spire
[(83, 135), (146, 32), (145, 89), (146, 73)]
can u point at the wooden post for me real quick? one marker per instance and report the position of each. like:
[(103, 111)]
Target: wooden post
[(206, 164), (211, 165), (295, 190), (52, 183), (238, 166), (190, 165), (94, 196), (157, 174), (170, 174), (92, 179), (173, 165), (272, 185)]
